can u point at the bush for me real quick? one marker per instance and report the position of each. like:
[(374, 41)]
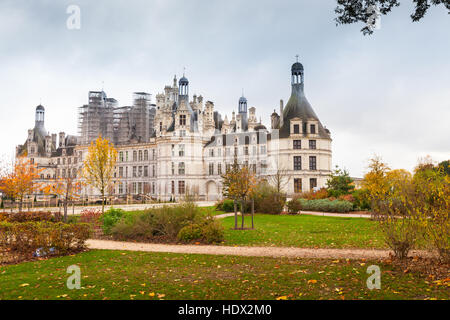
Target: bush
[(294, 206), (228, 205), (26, 237), (92, 217), (183, 222), (110, 218), (31, 216), (361, 199), (323, 205), (210, 231), (268, 200), (190, 233)]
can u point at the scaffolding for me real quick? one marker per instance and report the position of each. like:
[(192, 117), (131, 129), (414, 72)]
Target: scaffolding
[(121, 125)]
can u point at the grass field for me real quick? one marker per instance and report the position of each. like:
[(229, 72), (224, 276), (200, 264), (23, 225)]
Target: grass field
[(305, 231), (134, 275)]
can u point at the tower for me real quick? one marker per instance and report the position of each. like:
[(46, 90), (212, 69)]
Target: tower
[(243, 112), (184, 88), (40, 117), (297, 74)]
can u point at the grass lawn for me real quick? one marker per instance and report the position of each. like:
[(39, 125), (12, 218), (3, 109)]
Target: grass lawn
[(305, 231), (135, 275)]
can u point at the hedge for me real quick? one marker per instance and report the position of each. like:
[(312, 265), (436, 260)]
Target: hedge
[(27, 237), (322, 205)]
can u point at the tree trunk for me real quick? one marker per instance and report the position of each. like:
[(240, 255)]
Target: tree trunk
[(65, 211), (235, 215), (243, 212), (253, 213)]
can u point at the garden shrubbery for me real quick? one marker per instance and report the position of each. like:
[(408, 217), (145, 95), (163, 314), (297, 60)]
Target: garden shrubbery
[(268, 200), (30, 216), (168, 224), (27, 237), (322, 205)]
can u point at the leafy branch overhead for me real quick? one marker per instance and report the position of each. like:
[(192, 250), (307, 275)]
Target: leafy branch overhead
[(353, 11)]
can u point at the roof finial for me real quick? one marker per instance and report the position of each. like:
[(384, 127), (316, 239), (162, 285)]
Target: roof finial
[(103, 85), (297, 56), (184, 71), (243, 92)]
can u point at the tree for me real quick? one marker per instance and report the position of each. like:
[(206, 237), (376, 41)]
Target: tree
[(353, 11), (339, 183), (99, 166), (280, 179), (433, 193), (238, 184), (66, 185), (20, 182)]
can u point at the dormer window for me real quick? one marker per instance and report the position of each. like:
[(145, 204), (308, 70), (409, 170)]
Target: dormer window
[(296, 129), (313, 129), (182, 120)]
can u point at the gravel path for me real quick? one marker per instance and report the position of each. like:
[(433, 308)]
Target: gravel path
[(246, 251)]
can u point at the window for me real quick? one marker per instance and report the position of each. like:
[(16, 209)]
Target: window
[(134, 172), (296, 129), (181, 168), (219, 152), (140, 155), (246, 151), (181, 187), (263, 149), (182, 133), (153, 171), (211, 153), (145, 171), (263, 166), (126, 156), (297, 144), (313, 128), (219, 168), (120, 188), (312, 163), (312, 144), (121, 156), (312, 183), (126, 172), (297, 163), (173, 187), (173, 168), (134, 155), (297, 185), (153, 154), (153, 188), (146, 155), (211, 169), (120, 172), (181, 150), (182, 120)]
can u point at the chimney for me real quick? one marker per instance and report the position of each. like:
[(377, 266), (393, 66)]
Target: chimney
[(62, 136), (281, 112)]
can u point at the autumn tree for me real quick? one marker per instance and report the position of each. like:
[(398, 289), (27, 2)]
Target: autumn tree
[(432, 185), (99, 166), (20, 181), (238, 184), (66, 186), (353, 11)]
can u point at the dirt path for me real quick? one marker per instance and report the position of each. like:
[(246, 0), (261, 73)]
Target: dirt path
[(246, 251)]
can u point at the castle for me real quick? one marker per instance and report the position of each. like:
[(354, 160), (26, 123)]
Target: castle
[(180, 143)]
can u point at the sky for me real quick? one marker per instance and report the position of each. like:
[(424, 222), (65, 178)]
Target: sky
[(386, 94)]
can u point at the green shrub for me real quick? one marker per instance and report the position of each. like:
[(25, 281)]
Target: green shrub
[(209, 231), (325, 205), (268, 200), (110, 218), (190, 233), (294, 205), (361, 199), (228, 205)]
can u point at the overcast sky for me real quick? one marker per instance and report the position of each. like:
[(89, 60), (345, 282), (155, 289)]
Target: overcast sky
[(387, 94)]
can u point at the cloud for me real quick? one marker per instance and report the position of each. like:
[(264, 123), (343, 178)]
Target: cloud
[(386, 94)]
